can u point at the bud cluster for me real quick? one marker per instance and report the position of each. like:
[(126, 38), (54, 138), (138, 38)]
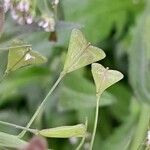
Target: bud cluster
[(20, 10), (47, 23), (23, 12)]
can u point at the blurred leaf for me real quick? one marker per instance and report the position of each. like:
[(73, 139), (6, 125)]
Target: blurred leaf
[(2, 14), (22, 56), (80, 52), (33, 99), (10, 141), (78, 96), (121, 109), (42, 6), (68, 25), (101, 16), (16, 117), (139, 57), (121, 137), (65, 131), (77, 100), (20, 78), (104, 78)]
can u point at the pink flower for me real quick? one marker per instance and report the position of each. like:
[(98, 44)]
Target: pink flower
[(23, 6)]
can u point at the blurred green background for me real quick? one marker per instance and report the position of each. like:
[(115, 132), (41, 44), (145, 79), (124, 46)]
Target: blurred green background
[(122, 29)]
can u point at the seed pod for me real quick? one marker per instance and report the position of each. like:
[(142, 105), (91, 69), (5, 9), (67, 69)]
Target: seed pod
[(80, 52), (64, 131)]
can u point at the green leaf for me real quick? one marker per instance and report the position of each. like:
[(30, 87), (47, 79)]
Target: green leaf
[(80, 52), (100, 17), (65, 131), (16, 117), (104, 78), (19, 79), (139, 57), (120, 110), (121, 138), (22, 56), (10, 141), (73, 100), (75, 96)]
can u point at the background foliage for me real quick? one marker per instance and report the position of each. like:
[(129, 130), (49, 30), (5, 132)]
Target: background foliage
[(121, 29)]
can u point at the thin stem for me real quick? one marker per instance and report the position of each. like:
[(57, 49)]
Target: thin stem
[(95, 122), (34, 7), (34, 131), (142, 144), (42, 105), (81, 143), (141, 127), (83, 138)]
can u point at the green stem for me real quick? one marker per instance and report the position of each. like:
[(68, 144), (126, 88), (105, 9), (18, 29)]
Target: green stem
[(42, 105), (81, 143), (83, 138), (141, 127), (95, 122), (19, 127)]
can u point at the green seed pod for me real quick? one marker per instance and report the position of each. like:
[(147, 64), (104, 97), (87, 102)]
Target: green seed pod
[(64, 131), (80, 52)]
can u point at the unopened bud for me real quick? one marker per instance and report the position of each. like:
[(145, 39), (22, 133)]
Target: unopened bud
[(29, 19)]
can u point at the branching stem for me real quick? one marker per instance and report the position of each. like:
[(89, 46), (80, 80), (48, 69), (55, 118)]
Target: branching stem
[(37, 112)]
